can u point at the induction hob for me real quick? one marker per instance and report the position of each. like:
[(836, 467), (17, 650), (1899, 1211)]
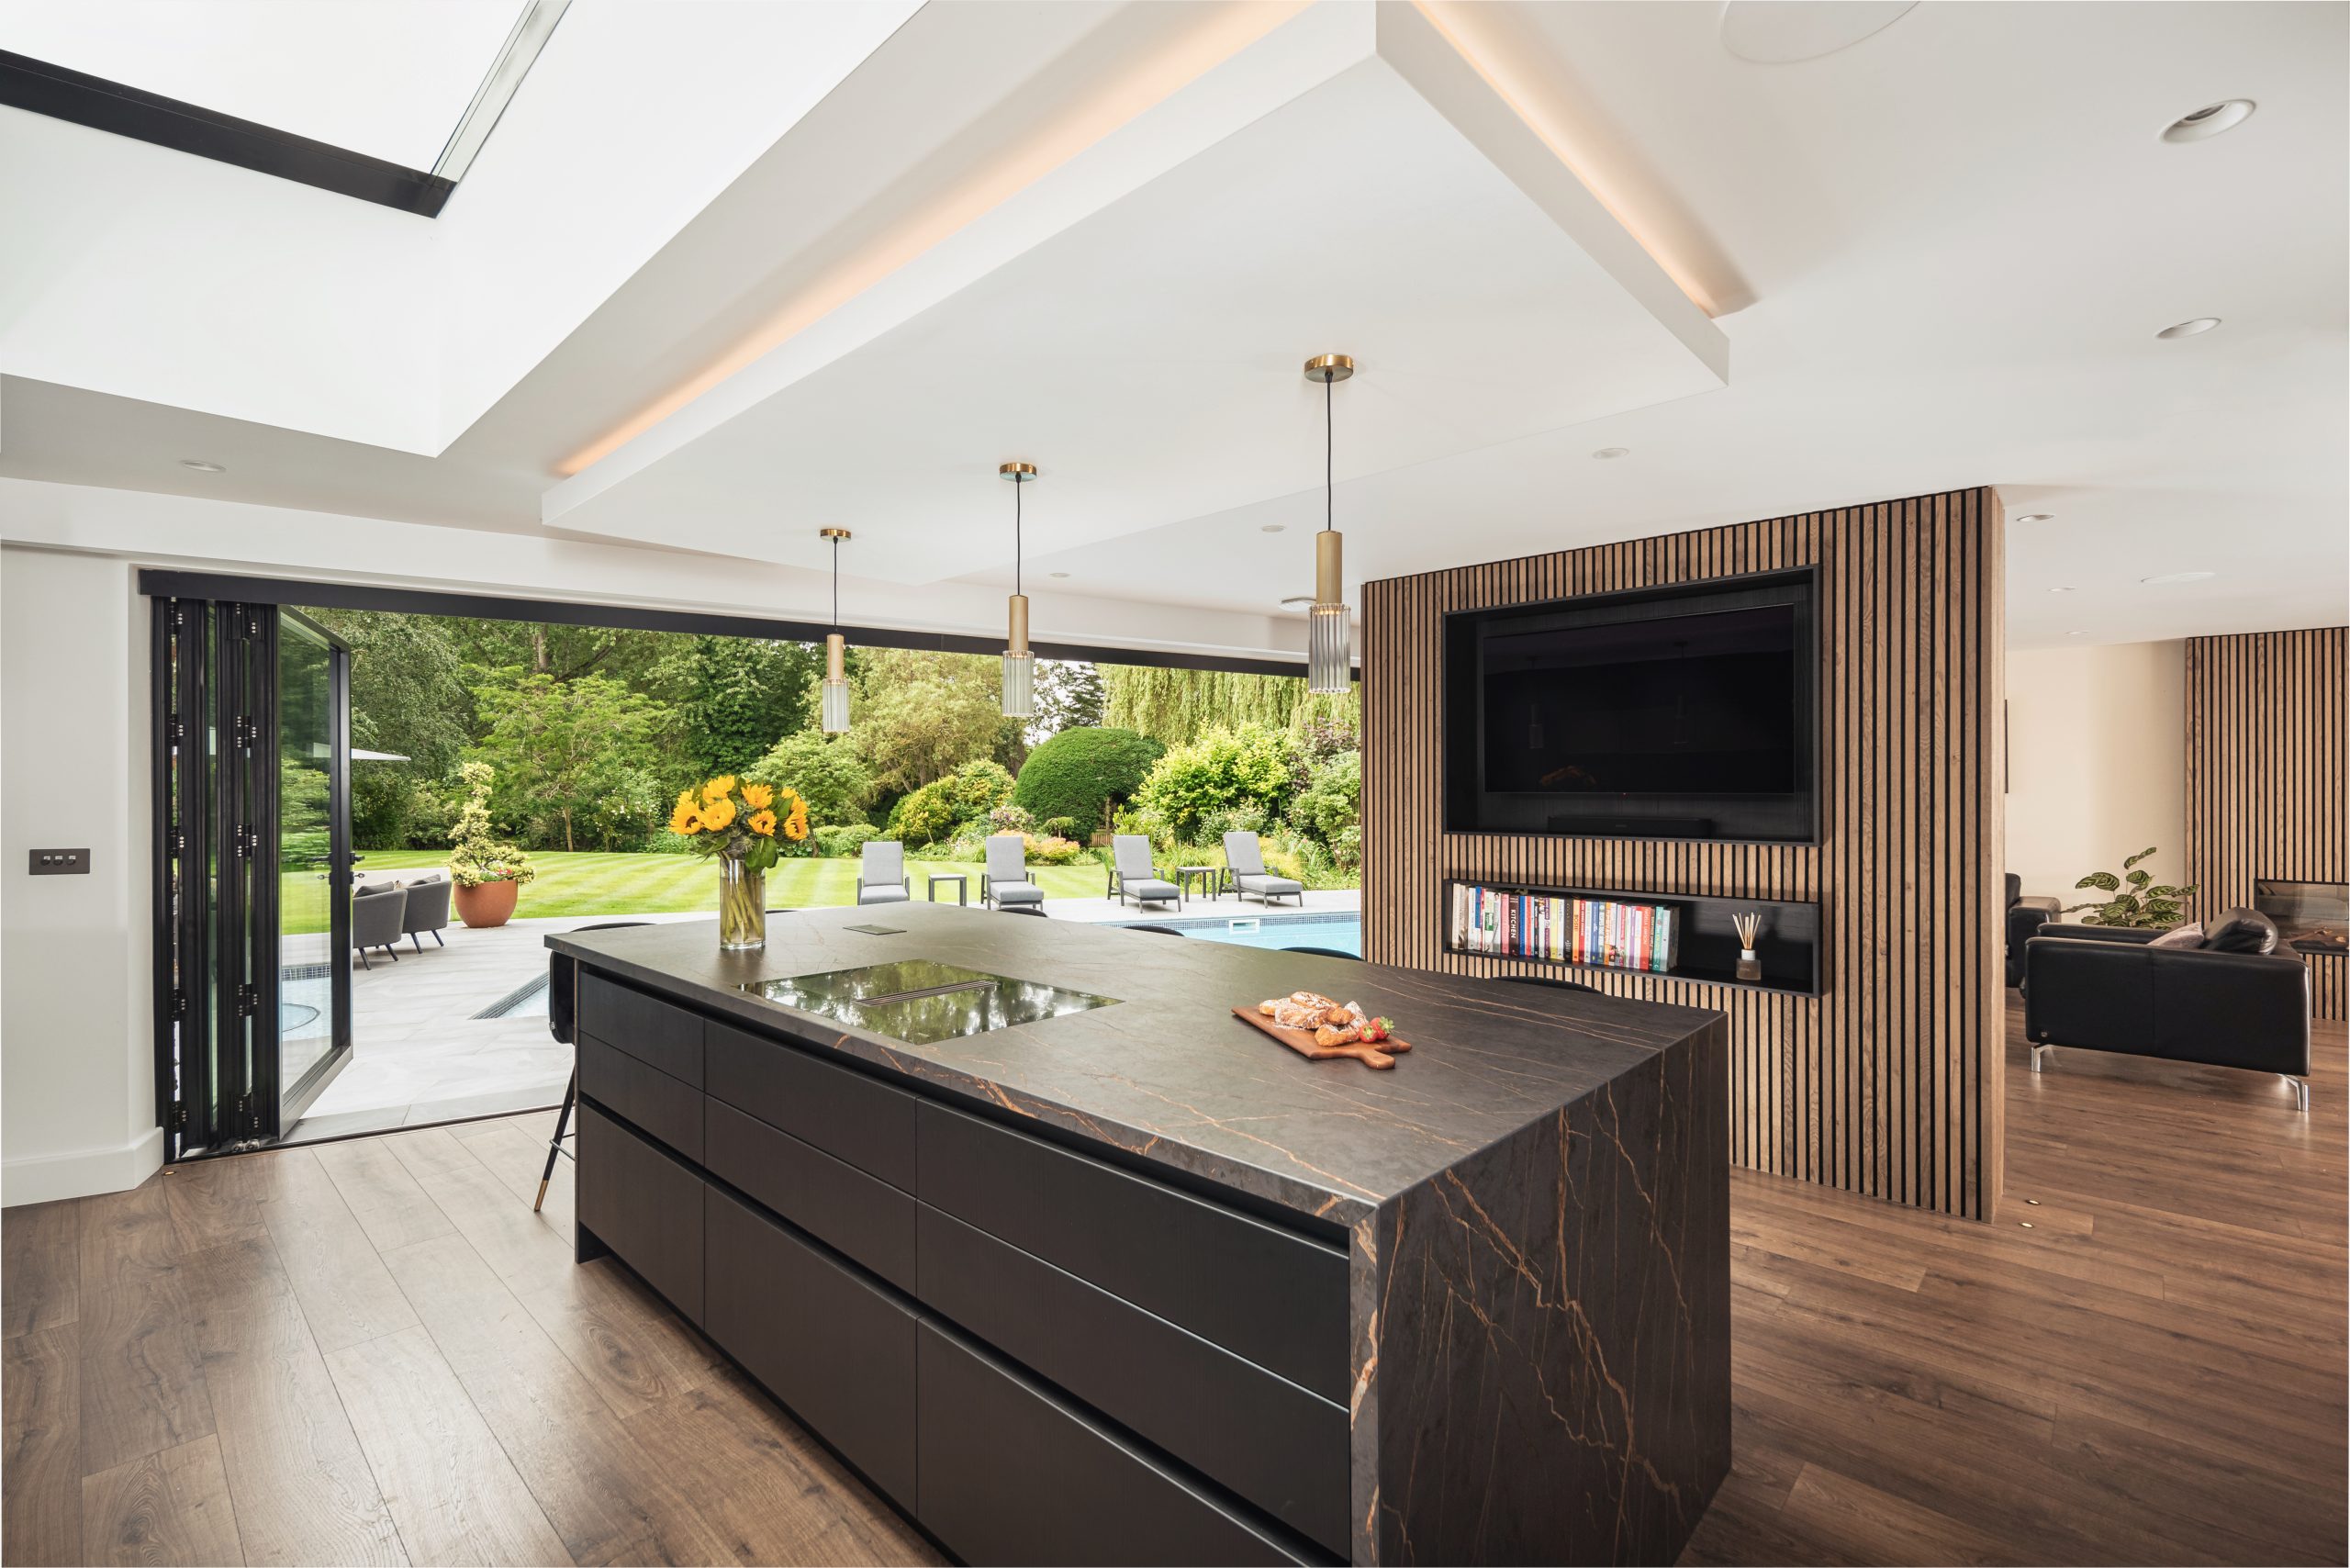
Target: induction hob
[(921, 1001)]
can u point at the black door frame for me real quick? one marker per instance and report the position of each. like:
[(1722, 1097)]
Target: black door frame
[(291, 1101)]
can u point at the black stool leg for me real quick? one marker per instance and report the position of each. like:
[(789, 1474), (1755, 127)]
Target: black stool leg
[(554, 1144)]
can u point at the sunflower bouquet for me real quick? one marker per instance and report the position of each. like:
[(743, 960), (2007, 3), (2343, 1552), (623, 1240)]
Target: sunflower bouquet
[(746, 825)]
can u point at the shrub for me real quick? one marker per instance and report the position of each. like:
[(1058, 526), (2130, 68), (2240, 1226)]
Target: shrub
[(1058, 828), (1080, 775), (1249, 767), (1010, 819), (1330, 808), (843, 841), (826, 773), (944, 807), (1051, 850)]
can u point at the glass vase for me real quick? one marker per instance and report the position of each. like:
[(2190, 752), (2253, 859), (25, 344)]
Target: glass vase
[(741, 907)]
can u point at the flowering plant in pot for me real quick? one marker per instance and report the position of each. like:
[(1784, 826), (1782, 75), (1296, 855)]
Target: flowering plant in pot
[(745, 827), (487, 870)]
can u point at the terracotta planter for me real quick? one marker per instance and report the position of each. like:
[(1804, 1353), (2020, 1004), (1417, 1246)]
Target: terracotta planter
[(486, 904)]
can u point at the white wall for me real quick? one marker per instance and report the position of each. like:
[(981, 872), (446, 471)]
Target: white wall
[(77, 1102), (2097, 762)]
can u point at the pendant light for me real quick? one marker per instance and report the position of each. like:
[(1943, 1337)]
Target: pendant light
[(1019, 664), (1328, 663), (835, 709)]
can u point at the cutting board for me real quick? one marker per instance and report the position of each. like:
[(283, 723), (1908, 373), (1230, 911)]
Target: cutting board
[(1382, 1055)]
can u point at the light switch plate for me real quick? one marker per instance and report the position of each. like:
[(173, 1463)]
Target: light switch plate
[(61, 862)]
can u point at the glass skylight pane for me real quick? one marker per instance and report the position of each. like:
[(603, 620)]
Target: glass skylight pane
[(389, 78)]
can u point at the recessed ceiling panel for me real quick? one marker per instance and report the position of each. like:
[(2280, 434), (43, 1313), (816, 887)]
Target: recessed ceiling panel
[(1148, 358)]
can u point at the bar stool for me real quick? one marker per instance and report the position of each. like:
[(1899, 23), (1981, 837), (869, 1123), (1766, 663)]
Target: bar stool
[(562, 1014)]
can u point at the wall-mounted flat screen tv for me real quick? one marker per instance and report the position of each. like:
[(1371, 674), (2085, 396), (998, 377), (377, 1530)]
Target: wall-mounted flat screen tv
[(1683, 714)]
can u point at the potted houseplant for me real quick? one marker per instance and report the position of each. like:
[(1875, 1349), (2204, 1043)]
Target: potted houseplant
[(743, 826), (488, 872), (2135, 898)]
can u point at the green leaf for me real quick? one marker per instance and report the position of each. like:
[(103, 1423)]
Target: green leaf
[(2141, 855), (2103, 879), (2140, 878)]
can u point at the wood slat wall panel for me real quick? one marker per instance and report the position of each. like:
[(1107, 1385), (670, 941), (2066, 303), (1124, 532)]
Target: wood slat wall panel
[(1887, 1083), (2267, 784)]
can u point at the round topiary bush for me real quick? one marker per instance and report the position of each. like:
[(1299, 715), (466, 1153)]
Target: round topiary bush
[(1079, 772)]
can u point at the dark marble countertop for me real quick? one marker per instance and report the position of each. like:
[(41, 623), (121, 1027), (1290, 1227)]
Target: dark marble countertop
[(1167, 1074)]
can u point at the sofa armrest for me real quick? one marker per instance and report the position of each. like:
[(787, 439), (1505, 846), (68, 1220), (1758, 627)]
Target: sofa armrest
[(2247, 1010), (2135, 935), (2095, 994)]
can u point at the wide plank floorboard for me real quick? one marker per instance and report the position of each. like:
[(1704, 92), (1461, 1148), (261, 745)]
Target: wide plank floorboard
[(372, 1350)]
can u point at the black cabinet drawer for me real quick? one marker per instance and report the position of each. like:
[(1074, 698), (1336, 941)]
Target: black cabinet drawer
[(857, 1215), (644, 1205), (1268, 1439), (663, 1107), (1210, 1269), (838, 1109), (837, 1350), (1012, 1474), (646, 1028)]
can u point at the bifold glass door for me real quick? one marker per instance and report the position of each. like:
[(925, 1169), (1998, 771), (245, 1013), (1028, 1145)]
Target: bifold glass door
[(252, 879)]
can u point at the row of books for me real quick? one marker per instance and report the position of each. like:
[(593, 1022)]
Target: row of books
[(1564, 930)]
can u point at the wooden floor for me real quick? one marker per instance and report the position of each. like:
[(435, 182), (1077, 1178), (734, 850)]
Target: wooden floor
[(371, 1351)]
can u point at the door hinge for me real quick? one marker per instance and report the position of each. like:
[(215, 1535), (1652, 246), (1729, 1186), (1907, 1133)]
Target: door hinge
[(244, 732), (179, 1119), (248, 1000), (179, 1004), (244, 842)]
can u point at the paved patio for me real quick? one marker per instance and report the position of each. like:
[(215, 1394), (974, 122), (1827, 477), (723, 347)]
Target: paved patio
[(422, 1055)]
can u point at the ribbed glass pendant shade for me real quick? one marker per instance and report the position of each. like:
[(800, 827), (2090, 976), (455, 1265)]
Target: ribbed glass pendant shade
[(1329, 663), (835, 707), (1019, 685)]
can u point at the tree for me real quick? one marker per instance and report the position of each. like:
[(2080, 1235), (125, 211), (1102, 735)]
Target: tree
[(408, 697), (579, 757), (734, 697), (919, 714), (825, 772), (943, 808), (1069, 695), (1178, 706), (1084, 774)]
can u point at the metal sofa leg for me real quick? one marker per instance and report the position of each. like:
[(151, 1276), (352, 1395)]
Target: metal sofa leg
[(2036, 1054), (436, 940), (418, 940), (2301, 1092)]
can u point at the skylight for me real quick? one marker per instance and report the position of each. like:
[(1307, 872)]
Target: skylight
[(415, 84)]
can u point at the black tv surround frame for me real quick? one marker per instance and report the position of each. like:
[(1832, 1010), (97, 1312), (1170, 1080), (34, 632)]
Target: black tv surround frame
[(1466, 807)]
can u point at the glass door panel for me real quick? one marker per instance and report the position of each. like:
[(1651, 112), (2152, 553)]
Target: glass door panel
[(313, 1001)]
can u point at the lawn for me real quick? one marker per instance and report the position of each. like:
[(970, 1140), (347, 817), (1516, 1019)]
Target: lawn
[(670, 884)]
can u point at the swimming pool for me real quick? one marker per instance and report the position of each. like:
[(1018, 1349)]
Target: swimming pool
[(1340, 932)]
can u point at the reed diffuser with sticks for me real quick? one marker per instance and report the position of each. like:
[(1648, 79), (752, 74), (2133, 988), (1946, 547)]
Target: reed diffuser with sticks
[(1748, 926)]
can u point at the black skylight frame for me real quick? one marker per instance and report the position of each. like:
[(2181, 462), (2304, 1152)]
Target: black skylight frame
[(113, 107)]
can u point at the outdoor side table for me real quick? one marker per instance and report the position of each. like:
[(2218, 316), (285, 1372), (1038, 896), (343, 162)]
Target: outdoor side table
[(962, 886), (1210, 879)]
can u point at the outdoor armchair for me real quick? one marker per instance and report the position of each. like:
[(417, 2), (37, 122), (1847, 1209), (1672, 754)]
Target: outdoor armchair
[(376, 921), (1131, 876), (1005, 881), (1245, 857), (881, 873)]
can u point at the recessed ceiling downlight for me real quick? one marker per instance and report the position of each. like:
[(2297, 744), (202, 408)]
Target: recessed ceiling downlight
[(1057, 574), (2037, 517), (2178, 577), (2200, 325), (2060, 590), (1298, 601), (1609, 454), (1273, 527), (2209, 120), (201, 466)]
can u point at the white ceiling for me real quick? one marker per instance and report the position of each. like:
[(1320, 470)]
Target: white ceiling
[(1943, 249)]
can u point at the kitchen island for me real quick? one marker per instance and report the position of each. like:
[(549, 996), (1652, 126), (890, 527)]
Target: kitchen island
[(1074, 1266)]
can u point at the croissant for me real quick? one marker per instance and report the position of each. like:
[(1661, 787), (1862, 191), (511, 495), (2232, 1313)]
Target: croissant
[(1326, 1036)]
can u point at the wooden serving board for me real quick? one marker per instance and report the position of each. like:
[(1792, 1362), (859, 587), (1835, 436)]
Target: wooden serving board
[(1382, 1055)]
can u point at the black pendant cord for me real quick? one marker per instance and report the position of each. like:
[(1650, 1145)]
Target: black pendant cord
[(1015, 534), (1329, 455), (836, 586)]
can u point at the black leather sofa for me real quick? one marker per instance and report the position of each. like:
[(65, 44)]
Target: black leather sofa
[(2236, 1002), (2025, 917)]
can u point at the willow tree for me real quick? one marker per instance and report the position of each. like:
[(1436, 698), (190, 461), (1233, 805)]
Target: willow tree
[(1177, 706)]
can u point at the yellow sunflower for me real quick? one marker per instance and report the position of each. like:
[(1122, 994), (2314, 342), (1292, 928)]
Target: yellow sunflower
[(717, 815), (685, 820), (758, 797), (717, 789), (795, 826), (762, 823)]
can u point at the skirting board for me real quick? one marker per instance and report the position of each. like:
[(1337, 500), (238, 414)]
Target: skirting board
[(46, 1178)]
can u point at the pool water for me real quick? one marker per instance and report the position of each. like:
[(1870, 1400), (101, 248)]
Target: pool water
[(1339, 933)]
